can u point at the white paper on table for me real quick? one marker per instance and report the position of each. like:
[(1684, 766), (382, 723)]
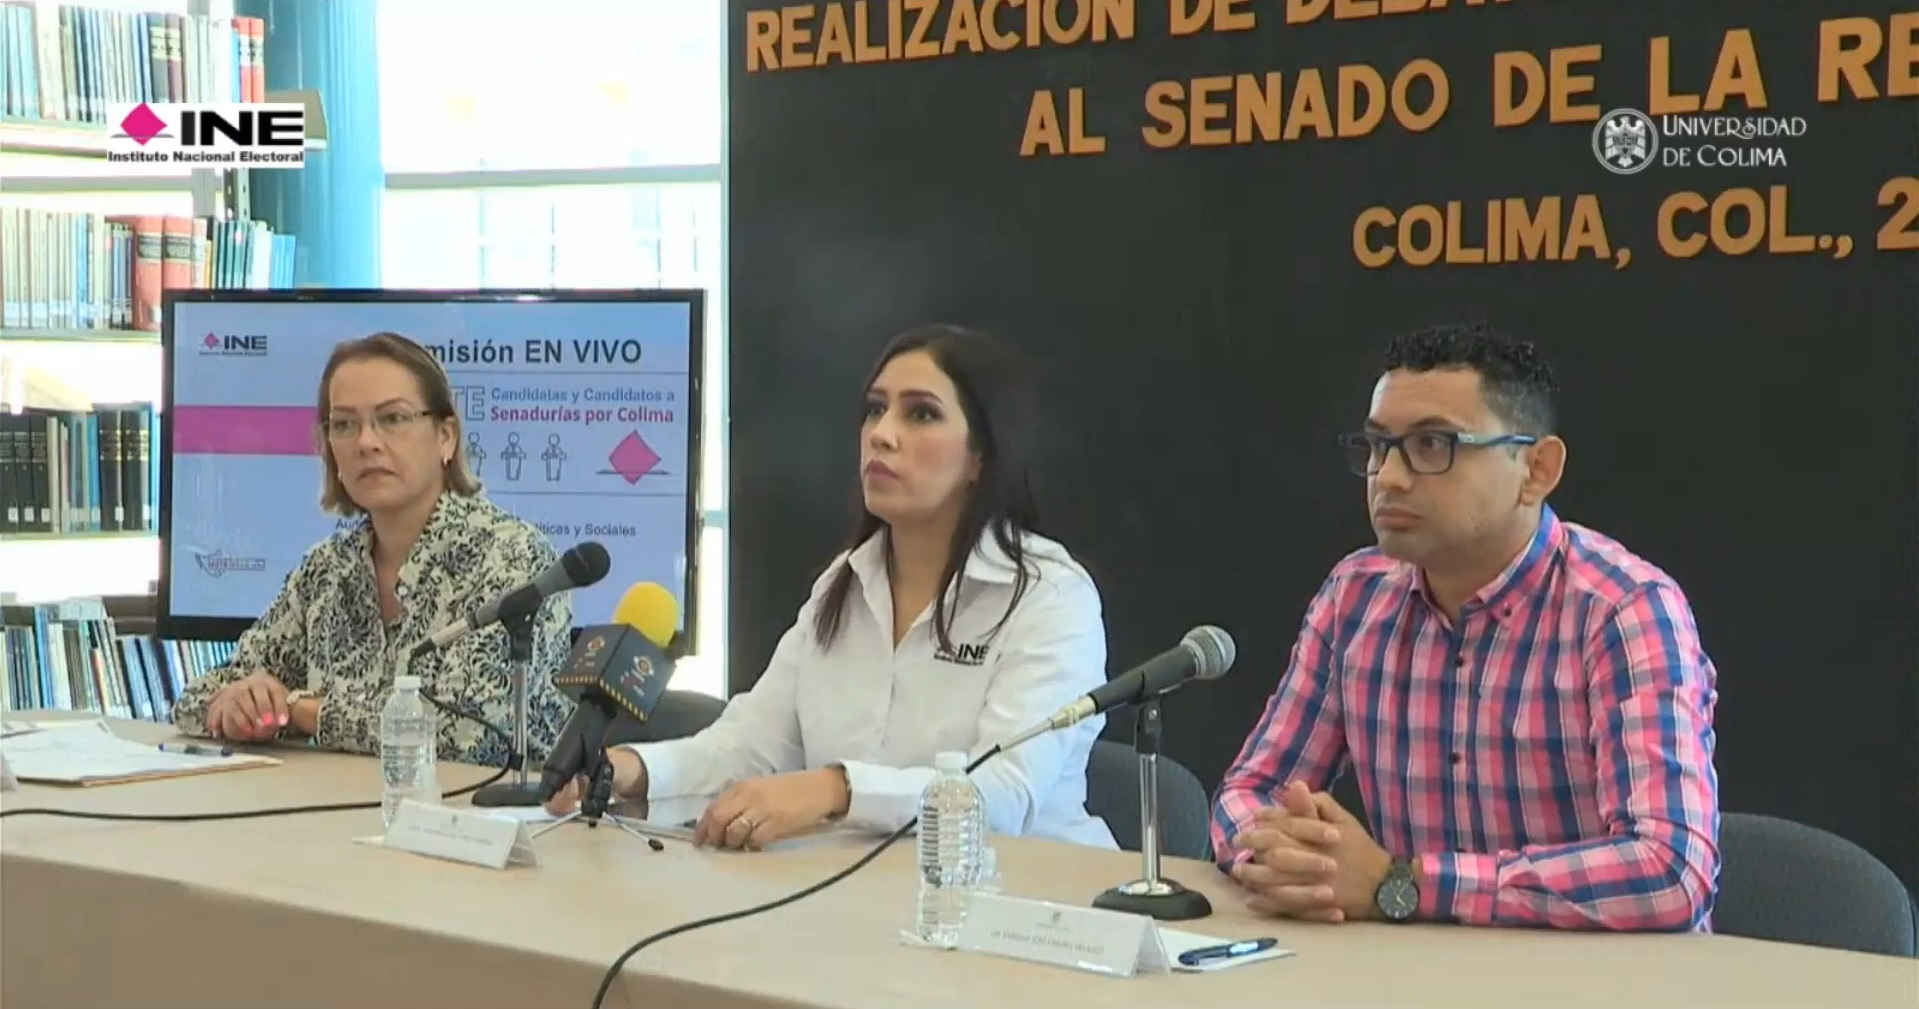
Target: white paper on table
[(87, 751), (1177, 942), (524, 814)]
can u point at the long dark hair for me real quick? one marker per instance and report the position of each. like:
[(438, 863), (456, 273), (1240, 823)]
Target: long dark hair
[(995, 395)]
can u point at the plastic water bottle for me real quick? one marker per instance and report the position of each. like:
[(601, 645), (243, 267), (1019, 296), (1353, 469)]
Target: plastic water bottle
[(952, 836), (409, 730), (989, 879)]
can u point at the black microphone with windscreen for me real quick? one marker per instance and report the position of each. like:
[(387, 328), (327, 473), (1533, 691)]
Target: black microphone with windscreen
[(580, 566), (1205, 653)]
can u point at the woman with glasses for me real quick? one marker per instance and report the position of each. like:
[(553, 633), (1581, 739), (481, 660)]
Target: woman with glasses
[(422, 548)]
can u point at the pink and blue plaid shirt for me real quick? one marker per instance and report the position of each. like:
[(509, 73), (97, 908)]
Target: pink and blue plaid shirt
[(1546, 762)]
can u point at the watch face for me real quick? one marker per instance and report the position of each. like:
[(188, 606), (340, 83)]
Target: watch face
[(1397, 898)]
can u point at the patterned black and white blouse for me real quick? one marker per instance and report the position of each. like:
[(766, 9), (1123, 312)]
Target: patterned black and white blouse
[(324, 634)]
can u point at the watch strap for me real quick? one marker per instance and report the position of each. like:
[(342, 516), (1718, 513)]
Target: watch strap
[(295, 697), (847, 781)]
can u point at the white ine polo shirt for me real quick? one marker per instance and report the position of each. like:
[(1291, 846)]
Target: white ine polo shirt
[(884, 713)]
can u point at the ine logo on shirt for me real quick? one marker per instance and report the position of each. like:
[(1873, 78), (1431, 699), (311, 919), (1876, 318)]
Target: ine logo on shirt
[(964, 655)]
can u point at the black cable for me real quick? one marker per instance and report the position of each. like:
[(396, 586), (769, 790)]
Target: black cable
[(613, 972), (512, 761)]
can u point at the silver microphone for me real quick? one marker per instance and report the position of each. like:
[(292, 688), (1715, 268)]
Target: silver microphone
[(1205, 653)]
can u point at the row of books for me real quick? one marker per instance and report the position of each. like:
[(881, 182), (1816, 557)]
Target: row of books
[(66, 655), (76, 472), (64, 269), (70, 63)]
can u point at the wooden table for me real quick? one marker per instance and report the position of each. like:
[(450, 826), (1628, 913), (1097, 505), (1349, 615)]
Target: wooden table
[(290, 911)]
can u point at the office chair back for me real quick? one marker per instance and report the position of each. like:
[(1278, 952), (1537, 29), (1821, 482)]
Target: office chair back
[(1789, 882), (1112, 794), (679, 713)]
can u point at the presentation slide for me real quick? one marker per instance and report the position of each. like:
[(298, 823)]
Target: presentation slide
[(578, 416)]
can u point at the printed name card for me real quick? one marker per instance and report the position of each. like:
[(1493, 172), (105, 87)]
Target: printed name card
[(473, 836), (1082, 938)]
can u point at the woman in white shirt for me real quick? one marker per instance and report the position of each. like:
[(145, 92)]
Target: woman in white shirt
[(949, 624)]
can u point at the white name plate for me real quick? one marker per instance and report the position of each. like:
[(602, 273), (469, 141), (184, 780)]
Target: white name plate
[(473, 836), (7, 781), (1081, 938)]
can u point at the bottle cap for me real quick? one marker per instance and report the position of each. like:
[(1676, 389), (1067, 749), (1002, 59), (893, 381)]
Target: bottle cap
[(951, 760), (406, 682)]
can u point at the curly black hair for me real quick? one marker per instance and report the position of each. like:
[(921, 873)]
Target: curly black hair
[(1514, 376)]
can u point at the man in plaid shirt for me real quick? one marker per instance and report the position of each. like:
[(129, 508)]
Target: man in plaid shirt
[(1525, 703)]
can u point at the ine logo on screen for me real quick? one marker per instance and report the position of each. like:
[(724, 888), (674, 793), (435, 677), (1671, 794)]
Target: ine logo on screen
[(234, 344)]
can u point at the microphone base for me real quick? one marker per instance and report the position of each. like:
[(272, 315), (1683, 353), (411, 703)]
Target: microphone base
[(1162, 899), (509, 793), (621, 822)]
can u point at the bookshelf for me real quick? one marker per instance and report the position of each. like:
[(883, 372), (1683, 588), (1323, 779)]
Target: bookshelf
[(85, 250), (83, 534), (21, 135), (30, 334), (96, 654)]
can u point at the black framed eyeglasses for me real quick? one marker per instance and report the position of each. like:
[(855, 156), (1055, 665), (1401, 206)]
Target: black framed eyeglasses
[(1428, 453)]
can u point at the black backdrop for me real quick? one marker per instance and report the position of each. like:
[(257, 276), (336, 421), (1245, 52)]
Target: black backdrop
[(1203, 330)]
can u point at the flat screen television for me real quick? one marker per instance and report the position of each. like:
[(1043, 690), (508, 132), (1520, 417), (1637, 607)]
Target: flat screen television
[(580, 410)]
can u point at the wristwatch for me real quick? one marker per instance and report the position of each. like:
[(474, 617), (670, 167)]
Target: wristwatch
[(1397, 897), (294, 697), (847, 781)]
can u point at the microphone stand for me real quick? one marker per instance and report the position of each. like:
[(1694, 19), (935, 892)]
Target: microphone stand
[(598, 795), (1152, 895), (520, 791)]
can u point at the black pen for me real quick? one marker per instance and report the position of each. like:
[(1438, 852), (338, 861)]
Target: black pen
[(1208, 954), (196, 750)]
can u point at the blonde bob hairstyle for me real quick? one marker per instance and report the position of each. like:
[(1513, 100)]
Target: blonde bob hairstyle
[(434, 389)]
